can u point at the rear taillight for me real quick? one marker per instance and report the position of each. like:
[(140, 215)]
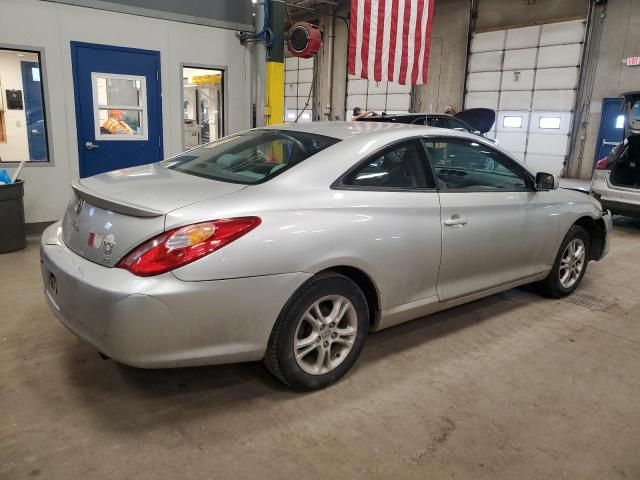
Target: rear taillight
[(602, 164), (184, 245)]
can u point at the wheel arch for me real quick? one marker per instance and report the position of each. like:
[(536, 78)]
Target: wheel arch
[(596, 229), (366, 284)]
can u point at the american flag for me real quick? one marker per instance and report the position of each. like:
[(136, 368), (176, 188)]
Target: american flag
[(390, 40)]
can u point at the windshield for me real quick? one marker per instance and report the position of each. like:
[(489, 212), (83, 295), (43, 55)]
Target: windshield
[(250, 157)]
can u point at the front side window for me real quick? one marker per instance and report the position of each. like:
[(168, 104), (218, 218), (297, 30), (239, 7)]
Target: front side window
[(23, 126), (468, 165), (400, 166), (250, 157), (119, 106)]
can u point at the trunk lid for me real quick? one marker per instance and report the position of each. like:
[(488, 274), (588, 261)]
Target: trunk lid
[(114, 212), (480, 119)]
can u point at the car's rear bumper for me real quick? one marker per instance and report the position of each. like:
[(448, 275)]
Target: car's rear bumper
[(621, 208), (161, 321), (620, 200)]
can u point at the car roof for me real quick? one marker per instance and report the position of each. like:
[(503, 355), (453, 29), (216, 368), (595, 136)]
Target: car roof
[(344, 130)]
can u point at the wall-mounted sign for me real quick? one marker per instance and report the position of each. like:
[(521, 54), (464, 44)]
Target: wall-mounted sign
[(206, 79), (633, 61)]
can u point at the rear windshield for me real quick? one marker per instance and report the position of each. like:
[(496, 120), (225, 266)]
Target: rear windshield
[(250, 157)]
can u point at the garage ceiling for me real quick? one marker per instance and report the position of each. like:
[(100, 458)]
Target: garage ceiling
[(311, 10)]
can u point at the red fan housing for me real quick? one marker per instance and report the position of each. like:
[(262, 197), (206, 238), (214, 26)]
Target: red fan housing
[(304, 40)]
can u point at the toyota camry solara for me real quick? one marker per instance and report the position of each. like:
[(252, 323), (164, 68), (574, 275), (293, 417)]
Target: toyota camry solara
[(289, 244)]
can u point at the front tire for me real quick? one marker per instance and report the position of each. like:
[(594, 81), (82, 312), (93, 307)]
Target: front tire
[(570, 264), (319, 333)]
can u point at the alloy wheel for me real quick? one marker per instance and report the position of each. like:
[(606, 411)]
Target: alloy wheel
[(572, 263), (325, 334)]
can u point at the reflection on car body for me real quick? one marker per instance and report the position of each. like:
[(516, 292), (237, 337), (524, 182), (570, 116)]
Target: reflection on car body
[(288, 244)]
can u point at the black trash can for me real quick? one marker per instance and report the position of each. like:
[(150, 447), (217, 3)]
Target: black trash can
[(12, 236)]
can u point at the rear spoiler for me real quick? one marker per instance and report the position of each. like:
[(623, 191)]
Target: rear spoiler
[(114, 205)]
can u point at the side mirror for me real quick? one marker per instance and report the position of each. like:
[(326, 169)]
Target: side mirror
[(546, 181)]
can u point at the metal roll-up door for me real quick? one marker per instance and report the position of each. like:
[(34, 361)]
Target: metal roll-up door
[(298, 80), (530, 77), (379, 97)]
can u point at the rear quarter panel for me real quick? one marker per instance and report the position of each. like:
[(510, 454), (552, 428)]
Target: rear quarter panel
[(393, 237)]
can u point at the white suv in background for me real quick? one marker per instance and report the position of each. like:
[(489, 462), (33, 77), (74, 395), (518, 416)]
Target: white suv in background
[(616, 178)]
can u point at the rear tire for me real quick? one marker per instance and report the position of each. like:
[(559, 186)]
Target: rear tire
[(570, 265), (319, 334)]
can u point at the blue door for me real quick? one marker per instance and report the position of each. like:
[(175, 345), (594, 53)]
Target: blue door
[(611, 127), (36, 133), (118, 107)]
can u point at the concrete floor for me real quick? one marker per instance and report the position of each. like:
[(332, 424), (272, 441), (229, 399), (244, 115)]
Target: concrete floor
[(510, 387)]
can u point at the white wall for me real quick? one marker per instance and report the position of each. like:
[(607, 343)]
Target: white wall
[(53, 26), (16, 147)]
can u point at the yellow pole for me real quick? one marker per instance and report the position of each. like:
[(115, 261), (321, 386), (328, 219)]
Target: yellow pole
[(274, 83), (274, 101)]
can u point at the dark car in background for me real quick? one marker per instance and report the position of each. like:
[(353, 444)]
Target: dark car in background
[(616, 178), (474, 120)]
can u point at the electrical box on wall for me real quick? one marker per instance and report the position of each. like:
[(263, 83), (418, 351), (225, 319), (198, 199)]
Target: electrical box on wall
[(14, 100)]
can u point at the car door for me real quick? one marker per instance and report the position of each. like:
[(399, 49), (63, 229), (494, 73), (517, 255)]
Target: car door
[(399, 230), (496, 227)]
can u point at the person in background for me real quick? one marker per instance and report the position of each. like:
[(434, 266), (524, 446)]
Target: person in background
[(358, 113), (450, 110)]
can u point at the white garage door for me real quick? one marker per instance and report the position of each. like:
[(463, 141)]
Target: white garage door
[(298, 78), (529, 76), (380, 97)]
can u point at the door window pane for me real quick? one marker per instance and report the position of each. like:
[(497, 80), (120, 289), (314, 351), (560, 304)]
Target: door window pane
[(399, 166), (512, 122), (468, 165), (120, 122), (549, 123), (203, 108), (120, 106), (119, 91), (23, 128)]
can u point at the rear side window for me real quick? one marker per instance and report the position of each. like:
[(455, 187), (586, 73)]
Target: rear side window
[(251, 157), (400, 166), (440, 122)]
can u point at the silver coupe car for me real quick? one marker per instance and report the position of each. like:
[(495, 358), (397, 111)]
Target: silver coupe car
[(289, 244)]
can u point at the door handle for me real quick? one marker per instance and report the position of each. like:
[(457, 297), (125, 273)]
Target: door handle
[(91, 146), (612, 144), (455, 221)]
